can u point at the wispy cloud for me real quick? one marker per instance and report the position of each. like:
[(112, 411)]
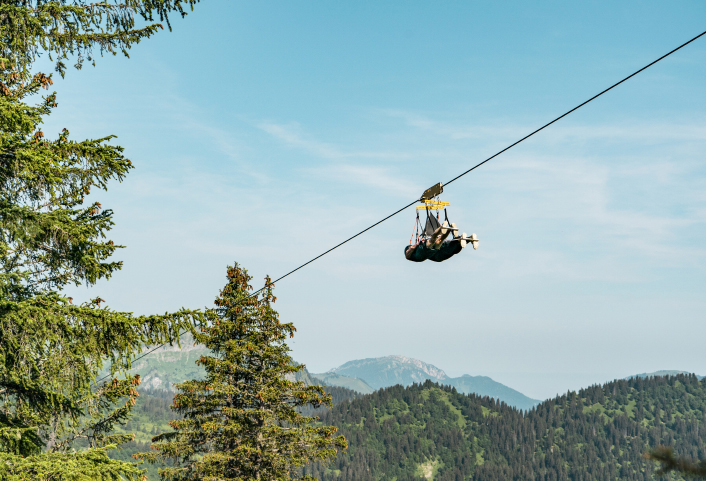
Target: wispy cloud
[(596, 206), (287, 134), (636, 130), (579, 200), (292, 135), (454, 131), (385, 179)]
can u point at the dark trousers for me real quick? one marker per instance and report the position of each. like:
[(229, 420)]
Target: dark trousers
[(421, 252)]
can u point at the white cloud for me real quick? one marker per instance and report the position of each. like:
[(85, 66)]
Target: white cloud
[(291, 134), (599, 214), (384, 179), (287, 135), (580, 199), (624, 131)]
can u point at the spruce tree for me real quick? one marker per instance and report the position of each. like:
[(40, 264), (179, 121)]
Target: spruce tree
[(242, 421), (52, 350), (684, 467)]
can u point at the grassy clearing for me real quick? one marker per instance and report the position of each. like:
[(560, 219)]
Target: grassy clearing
[(429, 469)]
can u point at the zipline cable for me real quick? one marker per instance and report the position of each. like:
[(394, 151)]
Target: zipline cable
[(454, 179), (577, 107), (288, 273)]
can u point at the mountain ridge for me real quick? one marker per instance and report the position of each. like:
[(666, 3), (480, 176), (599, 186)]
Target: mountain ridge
[(432, 432), (387, 371), (663, 373), (173, 364)]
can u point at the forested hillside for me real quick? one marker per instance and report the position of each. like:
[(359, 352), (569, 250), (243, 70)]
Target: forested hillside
[(367, 375), (600, 433), (429, 431), (151, 416)]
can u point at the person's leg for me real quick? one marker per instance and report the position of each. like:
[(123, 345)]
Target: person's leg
[(440, 235), (447, 250), (454, 247), (444, 235), (431, 241)]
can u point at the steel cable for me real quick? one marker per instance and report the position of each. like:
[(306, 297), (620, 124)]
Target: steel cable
[(457, 177)]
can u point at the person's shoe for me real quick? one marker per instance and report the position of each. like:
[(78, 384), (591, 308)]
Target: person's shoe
[(464, 239), (446, 228)]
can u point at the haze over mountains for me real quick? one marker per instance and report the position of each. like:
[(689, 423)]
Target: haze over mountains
[(389, 371), (173, 364), (662, 373)]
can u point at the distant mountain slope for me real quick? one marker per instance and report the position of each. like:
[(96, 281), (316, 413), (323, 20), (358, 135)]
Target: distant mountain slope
[(170, 365), (485, 386), (388, 371), (429, 431), (352, 383), (662, 374)]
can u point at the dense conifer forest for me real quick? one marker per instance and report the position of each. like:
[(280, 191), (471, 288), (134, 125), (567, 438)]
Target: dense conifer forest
[(428, 431), (599, 433), (151, 416)]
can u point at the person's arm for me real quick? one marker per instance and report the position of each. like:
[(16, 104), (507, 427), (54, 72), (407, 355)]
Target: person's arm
[(410, 250)]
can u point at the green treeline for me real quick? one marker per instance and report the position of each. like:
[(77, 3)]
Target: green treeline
[(338, 395), (151, 415), (249, 417), (599, 433)]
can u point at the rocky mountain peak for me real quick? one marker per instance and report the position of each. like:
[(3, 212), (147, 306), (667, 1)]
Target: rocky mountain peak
[(390, 370)]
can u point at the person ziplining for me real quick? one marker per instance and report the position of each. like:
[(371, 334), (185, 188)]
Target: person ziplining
[(433, 243), (463, 240)]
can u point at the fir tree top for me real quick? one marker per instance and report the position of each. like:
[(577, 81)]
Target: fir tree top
[(242, 422)]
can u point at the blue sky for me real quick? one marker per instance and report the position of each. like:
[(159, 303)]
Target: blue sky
[(267, 132)]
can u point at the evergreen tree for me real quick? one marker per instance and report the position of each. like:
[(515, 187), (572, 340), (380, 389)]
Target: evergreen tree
[(76, 28), (242, 422), (51, 350), (673, 464)]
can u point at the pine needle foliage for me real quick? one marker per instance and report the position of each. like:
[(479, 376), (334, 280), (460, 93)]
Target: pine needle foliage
[(91, 465), (52, 236), (78, 29), (242, 421), (670, 463)]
